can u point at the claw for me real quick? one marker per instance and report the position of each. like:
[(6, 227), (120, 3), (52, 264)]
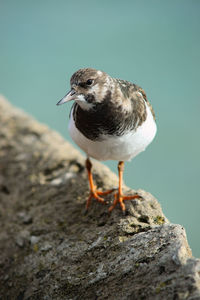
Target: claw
[(95, 194), (119, 198)]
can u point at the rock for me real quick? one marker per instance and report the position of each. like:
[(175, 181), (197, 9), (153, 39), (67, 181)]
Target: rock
[(22, 237), (51, 249), (46, 247), (34, 239), (24, 217)]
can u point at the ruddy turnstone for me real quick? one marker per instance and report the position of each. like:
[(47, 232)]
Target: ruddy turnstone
[(111, 119)]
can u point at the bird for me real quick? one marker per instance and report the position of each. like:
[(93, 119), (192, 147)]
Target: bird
[(110, 119)]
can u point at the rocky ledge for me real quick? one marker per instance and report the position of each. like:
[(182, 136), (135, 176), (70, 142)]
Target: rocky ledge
[(51, 249)]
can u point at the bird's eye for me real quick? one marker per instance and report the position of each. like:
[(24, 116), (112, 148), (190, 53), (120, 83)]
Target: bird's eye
[(89, 81)]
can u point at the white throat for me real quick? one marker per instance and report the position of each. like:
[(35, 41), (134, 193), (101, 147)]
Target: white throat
[(80, 100)]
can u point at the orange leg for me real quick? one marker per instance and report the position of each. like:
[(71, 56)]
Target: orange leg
[(119, 197), (94, 193)]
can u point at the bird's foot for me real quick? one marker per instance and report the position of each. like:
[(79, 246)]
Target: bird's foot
[(120, 198), (94, 193)]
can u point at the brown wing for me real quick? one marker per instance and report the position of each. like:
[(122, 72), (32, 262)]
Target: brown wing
[(148, 103), (128, 88)]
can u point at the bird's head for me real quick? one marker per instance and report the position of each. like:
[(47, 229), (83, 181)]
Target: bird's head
[(88, 87)]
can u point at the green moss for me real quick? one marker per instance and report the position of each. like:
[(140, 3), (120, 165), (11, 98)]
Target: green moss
[(159, 220), (160, 286), (35, 248)]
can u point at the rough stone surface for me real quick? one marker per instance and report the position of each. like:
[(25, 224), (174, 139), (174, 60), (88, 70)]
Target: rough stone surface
[(51, 249)]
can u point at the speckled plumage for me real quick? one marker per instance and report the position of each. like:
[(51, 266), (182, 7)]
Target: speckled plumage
[(111, 119), (108, 107), (121, 109)]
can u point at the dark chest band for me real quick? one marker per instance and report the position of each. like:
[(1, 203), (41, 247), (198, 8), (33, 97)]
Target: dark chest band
[(106, 119)]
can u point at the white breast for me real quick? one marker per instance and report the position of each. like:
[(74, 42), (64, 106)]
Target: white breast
[(120, 148)]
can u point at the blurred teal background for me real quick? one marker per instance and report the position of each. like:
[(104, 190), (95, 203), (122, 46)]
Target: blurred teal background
[(153, 43)]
